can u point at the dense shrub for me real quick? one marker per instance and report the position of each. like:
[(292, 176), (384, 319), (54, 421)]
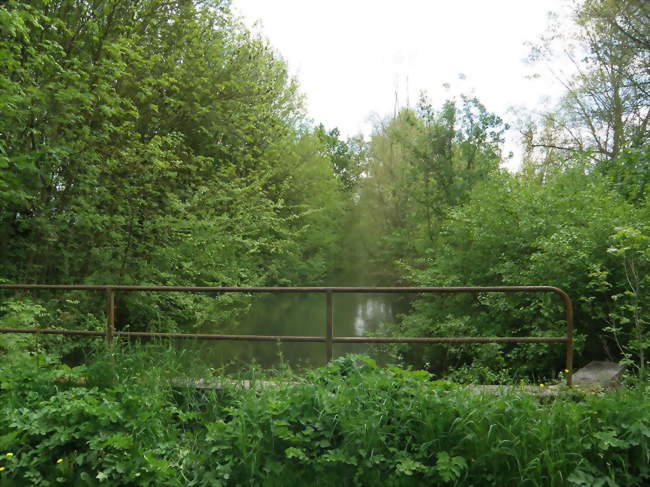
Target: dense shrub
[(349, 423), (565, 233)]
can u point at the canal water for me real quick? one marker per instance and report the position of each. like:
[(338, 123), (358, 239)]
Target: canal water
[(355, 314), (305, 314), (301, 314)]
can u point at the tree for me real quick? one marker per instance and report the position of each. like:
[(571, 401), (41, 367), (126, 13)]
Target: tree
[(604, 110), (514, 231), (629, 19), (156, 142), (347, 157), (421, 164)]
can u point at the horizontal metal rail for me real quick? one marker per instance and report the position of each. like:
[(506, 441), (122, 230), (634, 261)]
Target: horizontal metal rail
[(329, 339)]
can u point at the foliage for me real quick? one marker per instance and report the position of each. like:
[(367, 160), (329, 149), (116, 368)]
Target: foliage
[(347, 157), (514, 232), (574, 218), (156, 143), (50, 312), (582, 191), (604, 108), (629, 315), (421, 163), (161, 142), (348, 423)]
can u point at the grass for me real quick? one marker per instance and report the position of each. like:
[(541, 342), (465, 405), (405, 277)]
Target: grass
[(122, 421)]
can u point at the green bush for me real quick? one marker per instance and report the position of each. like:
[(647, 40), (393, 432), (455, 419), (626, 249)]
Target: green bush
[(516, 232), (122, 422)]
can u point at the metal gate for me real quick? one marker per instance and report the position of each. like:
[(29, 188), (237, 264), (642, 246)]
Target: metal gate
[(329, 338)]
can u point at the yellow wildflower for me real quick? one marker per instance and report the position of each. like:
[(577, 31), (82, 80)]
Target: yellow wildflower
[(566, 371), (2, 469), (541, 385), (60, 460), (9, 454)]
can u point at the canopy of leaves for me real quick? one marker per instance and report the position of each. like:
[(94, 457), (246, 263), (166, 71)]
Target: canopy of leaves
[(155, 141)]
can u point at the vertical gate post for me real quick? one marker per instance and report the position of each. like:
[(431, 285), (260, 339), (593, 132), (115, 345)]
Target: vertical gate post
[(329, 332), (110, 316)]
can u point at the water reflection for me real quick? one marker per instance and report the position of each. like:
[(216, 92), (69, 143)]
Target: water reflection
[(370, 312)]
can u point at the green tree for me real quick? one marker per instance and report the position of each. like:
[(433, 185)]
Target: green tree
[(516, 232), (604, 109), (421, 164), (347, 157), (155, 142)]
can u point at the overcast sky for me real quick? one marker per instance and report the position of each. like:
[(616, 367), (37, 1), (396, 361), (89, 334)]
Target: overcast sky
[(351, 57)]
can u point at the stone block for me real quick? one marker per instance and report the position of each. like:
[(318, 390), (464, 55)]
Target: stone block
[(598, 374)]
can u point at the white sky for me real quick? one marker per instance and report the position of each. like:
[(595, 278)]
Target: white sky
[(350, 57)]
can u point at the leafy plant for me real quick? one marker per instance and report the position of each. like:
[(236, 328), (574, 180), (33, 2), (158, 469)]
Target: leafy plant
[(119, 421), (630, 326)]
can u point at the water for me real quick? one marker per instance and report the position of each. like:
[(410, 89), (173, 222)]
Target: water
[(303, 315)]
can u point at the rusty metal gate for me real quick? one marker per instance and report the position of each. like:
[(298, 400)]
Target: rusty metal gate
[(329, 339)]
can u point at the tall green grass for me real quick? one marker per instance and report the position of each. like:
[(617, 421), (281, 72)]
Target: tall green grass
[(126, 419)]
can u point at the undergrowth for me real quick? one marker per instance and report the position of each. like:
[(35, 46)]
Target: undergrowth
[(130, 419)]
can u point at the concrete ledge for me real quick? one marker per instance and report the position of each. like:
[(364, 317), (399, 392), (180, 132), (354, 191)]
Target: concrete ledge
[(606, 374)]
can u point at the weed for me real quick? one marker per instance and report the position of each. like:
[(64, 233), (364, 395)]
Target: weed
[(122, 421)]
